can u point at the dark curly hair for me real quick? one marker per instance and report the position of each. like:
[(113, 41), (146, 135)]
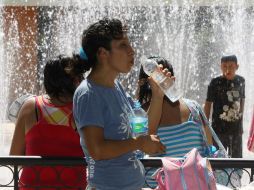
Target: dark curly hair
[(61, 75), (145, 92), (100, 34)]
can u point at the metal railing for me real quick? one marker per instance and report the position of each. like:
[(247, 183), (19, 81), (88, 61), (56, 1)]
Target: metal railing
[(14, 164)]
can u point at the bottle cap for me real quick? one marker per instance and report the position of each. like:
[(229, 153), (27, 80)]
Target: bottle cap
[(213, 149), (137, 104)]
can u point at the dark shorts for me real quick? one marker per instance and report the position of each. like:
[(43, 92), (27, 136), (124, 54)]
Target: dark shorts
[(230, 134)]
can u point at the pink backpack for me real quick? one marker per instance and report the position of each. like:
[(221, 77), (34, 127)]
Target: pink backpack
[(192, 172)]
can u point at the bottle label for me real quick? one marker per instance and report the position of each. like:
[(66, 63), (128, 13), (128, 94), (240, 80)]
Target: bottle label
[(139, 125)]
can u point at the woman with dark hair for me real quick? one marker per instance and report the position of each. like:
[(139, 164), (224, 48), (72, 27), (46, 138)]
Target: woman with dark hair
[(179, 125), (102, 107), (45, 127)]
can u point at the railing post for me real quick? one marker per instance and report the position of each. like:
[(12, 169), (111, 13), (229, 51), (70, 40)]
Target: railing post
[(13, 163), (251, 174), (16, 177)]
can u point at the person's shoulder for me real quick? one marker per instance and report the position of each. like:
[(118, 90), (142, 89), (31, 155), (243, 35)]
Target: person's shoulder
[(87, 93), (28, 107), (216, 78), (16, 105), (82, 86), (82, 89), (240, 78), (193, 105)]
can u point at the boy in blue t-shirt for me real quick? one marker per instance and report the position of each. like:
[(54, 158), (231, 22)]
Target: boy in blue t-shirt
[(226, 95)]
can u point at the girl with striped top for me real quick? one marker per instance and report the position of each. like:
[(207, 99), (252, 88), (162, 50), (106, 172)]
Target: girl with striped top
[(179, 125)]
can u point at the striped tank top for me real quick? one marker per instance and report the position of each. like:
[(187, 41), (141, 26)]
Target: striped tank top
[(180, 139)]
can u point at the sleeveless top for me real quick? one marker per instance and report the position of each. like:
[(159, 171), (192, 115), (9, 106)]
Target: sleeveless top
[(53, 135), (180, 139)]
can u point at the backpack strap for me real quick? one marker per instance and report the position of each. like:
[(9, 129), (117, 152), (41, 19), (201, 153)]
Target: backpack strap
[(56, 115), (208, 124), (196, 112), (160, 180), (38, 108), (197, 118)]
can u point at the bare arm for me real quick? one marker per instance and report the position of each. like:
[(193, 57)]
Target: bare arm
[(18, 139), (100, 148), (154, 114), (208, 135), (205, 119), (207, 109), (26, 119), (155, 108)]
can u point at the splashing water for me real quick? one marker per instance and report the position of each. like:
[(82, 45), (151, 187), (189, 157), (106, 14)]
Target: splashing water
[(192, 36)]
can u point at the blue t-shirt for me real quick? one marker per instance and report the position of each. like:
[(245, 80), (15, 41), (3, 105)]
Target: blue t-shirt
[(107, 108)]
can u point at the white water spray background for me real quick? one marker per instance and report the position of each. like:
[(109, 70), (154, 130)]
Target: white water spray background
[(192, 37)]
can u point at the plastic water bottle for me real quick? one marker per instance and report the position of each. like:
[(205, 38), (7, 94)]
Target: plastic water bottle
[(138, 121), (139, 125), (166, 84)]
